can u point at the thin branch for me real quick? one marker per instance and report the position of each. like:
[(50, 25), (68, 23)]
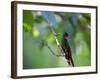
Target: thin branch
[(46, 44), (56, 39), (53, 52)]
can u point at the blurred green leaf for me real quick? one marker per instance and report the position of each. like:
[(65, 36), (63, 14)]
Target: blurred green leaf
[(38, 19), (27, 27), (27, 20)]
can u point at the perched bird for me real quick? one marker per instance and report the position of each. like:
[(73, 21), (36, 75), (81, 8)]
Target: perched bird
[(66, 49)]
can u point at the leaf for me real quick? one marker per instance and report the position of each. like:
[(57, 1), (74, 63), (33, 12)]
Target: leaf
[(38, 19), (27, 20), (87, 16), (35, 32), (27, 27)]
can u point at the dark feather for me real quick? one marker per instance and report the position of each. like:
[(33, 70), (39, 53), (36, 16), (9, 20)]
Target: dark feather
[(67, 51)]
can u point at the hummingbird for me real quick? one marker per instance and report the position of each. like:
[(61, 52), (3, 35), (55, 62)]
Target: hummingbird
[(66, 49)]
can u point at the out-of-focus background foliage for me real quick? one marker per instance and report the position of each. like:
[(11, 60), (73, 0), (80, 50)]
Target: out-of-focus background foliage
[(36, 33)]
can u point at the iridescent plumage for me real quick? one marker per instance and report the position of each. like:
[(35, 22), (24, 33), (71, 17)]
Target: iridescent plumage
[(67, 50)]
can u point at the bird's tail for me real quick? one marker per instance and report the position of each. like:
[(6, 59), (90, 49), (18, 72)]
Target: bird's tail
[(72, 62)]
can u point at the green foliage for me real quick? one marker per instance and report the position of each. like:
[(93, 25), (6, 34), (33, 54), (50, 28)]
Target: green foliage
[(27, 20), (36, 53), (38, 19)]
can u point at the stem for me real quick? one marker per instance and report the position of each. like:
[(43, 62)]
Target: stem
[(52, 51), (46, 44), (56, 39)]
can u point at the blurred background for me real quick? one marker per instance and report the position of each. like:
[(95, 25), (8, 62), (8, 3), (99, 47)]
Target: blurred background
[(37, 33)]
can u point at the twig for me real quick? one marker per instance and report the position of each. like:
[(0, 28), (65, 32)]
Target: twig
[(53, 52), (46, 44), (56, 38)]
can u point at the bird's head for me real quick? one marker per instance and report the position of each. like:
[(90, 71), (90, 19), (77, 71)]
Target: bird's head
[(65, 35)]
